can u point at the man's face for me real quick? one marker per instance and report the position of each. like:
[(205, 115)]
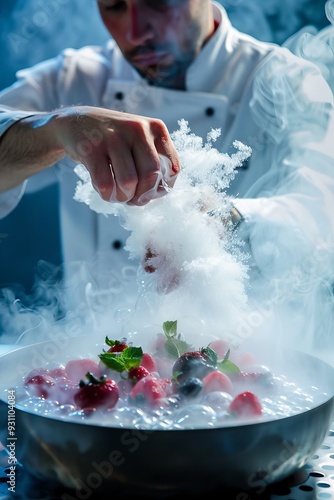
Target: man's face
[(160, 38)]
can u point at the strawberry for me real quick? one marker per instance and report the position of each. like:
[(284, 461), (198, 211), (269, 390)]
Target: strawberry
[(97, 393), (138, 373), (246, 404), (217, 381), (39, 385), (118, 346), (149, 363), (167, 385), (77, 368), (147, 390), (57, 373), (246, 359)]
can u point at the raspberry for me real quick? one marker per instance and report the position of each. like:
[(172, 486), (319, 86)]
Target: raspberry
[(138, 373), (246, 404)]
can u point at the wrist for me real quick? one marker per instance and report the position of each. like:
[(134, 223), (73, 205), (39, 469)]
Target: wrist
[(44, 127), (233, 219)]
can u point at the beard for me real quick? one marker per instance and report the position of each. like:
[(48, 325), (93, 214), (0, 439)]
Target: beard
[(172, 76)]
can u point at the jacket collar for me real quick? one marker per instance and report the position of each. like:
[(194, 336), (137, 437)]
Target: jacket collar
[(201, 74)]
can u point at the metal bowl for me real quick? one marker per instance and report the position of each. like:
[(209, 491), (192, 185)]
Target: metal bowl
[(90, 457)]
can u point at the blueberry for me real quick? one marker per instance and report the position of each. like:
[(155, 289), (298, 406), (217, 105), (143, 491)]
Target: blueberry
[(190, 366), (191, 387)]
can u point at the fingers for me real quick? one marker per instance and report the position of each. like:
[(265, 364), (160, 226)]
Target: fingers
[(124, 154), (101, 175), (157, 164)]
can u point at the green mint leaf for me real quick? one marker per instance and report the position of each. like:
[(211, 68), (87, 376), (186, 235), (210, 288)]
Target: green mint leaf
[(228, 367), (131, 357), (171, 348), (175, 347), (112, 361), (183, 346), (227, 355), (111, 343), (210, 355), (170, 328)]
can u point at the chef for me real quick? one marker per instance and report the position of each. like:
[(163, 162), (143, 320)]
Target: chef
[(112, 109)]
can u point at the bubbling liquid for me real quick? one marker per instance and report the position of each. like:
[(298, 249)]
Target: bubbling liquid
[(192, 400)]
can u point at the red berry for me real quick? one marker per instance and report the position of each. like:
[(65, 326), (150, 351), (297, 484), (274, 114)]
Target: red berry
[(39, 385), (245, 360), (246, 404), (192, 354), (148, 390), (217, 381), (167, 385), (97, 393), (149, 363), (57, 373), (136, 374), (119, 346)]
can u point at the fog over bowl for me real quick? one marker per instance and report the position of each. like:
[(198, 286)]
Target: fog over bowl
[(247, 455)]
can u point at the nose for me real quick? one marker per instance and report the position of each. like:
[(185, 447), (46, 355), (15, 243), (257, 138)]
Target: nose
[(140, 27)]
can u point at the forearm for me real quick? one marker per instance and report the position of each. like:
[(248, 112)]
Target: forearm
[(28, 147)]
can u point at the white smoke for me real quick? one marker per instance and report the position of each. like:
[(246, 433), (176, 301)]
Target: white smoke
[(200, 268)]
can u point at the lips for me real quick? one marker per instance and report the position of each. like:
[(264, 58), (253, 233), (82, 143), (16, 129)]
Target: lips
[(150, 59)]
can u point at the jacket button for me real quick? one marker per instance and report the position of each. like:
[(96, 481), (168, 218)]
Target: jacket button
[(119, 96), (209, 111), (117, 245)]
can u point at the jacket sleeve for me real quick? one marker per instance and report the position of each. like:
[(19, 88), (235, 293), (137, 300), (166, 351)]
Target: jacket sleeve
[(289, 211), (33, 92)]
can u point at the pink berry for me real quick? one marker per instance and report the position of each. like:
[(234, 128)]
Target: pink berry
[(149, 363), (76, 369), (39, 385), (246, 404), (217, 381), (147, 390)]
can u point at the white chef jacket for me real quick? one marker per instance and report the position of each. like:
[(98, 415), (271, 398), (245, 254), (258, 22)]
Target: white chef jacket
[(285, 191)]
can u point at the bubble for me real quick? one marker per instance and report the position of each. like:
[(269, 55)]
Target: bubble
[(194, 416), (217, 400)]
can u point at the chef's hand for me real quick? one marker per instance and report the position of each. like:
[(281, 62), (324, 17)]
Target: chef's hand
[(120, 151)]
